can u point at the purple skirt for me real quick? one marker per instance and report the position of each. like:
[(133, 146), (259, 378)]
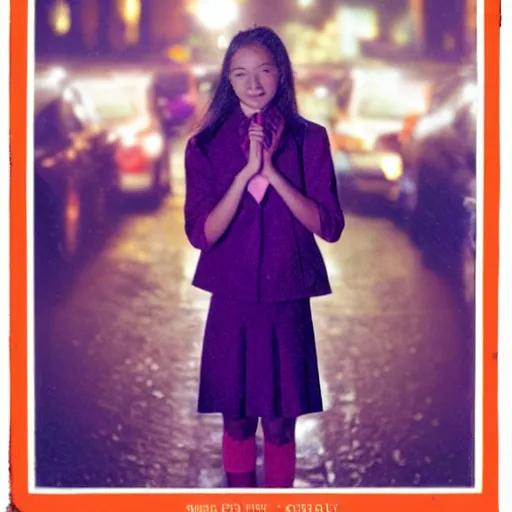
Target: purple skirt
[(259, 360)]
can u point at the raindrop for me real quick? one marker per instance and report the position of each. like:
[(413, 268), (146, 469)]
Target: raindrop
[(428, 400), (398, 457), (355, 444), (354, 475), (115, 438), (428, 460), (435, 423), (418, 416), (131, 457), (412, 350), (331, 477), (154, 367), (417, 479), (149, 383), (158, 394)]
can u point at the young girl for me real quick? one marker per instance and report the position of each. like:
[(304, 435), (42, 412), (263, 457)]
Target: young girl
[(260, 185)]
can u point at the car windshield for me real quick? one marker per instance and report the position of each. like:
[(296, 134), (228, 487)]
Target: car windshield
[(394, 103), (114, 103)]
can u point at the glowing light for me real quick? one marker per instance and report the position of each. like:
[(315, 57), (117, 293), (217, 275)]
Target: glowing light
[(131, 11), (222, 42), (321, 92), (391, 166), (469, 92), (305, 4), (216, 14), (153, 144), (56, 75), (61, 17), (178, 53)]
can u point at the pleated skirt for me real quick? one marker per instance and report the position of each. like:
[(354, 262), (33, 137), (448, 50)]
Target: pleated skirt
[(259, 360)]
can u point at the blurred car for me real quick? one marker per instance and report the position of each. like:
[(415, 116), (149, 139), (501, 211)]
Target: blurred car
[(439, 155), (74, 180), (372, 105), (124, 105), (176, 96)]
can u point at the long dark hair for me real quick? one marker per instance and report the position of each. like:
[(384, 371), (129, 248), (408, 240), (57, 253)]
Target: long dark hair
[(224, 99)]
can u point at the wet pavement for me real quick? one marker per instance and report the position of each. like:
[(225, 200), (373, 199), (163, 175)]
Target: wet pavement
[(118, 347)]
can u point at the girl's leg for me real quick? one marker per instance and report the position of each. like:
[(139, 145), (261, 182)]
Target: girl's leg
[(279, 451), (239, 451)]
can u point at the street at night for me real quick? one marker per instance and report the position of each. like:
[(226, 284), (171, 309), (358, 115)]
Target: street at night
[(118, 353), (382, 100)]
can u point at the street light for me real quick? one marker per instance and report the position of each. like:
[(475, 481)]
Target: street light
[(305, 4), (216, 14)]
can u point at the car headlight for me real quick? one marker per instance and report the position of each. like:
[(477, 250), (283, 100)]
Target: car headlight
[(392, 167)]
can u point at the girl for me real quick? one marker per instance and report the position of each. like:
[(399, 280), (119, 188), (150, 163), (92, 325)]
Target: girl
[(260, 184)]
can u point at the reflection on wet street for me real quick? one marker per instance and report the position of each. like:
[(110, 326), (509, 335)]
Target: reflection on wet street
[(118, 358)]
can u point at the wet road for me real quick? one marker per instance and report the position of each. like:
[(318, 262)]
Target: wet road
[(118, 351)]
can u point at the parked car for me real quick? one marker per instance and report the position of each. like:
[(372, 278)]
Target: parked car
[(446, 96), (74, 178), (124, 105), (372, 105), (439, 156)]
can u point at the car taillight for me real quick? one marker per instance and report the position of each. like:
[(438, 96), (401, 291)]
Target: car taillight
[(153, 144)]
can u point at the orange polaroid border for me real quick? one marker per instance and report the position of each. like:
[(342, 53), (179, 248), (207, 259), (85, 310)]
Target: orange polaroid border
[(22, 500)]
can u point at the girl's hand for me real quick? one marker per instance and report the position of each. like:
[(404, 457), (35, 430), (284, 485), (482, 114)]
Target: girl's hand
[(278, 125), (256, 140)]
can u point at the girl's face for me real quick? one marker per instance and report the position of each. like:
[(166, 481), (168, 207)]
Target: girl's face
[(254, 78)]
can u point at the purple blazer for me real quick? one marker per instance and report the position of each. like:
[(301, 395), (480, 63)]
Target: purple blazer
[(266, 254)]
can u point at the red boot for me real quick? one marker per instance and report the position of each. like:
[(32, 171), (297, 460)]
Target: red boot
[(239, 458), (279, 465)]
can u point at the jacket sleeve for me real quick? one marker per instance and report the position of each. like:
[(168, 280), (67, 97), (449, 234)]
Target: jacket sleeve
[(200, 197), (320, 182)]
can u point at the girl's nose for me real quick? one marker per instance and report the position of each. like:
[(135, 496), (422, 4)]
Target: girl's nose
[(254, 83)]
